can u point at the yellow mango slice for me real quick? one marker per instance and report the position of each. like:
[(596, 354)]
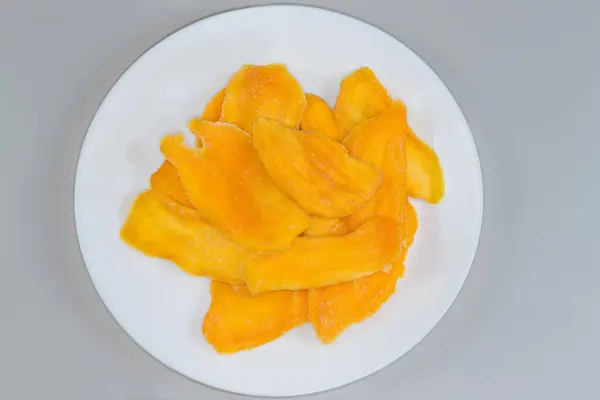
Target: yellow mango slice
[(381, 142), (315, 171), (318, 117), (161, 227), (237, 320), (212, 111), (412, 224), (319, 226), (229, 186), (166, 180), (333, 308), (361, 97), (321, 261), (268, 91), (425, 179)]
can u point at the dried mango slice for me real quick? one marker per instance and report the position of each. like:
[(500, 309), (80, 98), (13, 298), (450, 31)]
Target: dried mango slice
[(319, 226), (161, 227), (381, 142), (412, 224), (166, 180), (361, 97), (228, 185), (318, 117), (315, 171), (425, 178), (268, 91), (212, 111), (334, 308), (321, 261), (411, 229), (237, 320)]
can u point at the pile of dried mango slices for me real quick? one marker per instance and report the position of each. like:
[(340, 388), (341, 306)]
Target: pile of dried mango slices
[(297, 212)]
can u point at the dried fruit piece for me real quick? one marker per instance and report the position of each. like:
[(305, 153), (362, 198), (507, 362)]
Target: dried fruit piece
[(319, 226), (237, 320), (166, 180), (321, 261), (412, 224), (212, 111), (411, 229), (314, 170), (318, 117), (381, 142), (361, 97), (161, 227), (268, 91), (226, 181), (425, 178), (334, 308)]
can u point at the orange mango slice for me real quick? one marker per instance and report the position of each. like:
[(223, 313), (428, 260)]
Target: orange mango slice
[(412, 224), (161, 227), (238, 320), (319, 226), (315, 171), (212, 111), (381, 142), (321, 261), (318, 117), (229, 186), (268, 91), (166, 180), (425, 178), (361, 97), (334, 308)]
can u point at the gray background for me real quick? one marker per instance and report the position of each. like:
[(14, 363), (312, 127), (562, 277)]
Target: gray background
[(527, 76)]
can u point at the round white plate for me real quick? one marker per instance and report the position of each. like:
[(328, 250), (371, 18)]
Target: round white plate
[(162, 308)]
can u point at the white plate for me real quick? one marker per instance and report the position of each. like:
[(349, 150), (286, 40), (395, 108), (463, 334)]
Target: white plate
[(162, 308)]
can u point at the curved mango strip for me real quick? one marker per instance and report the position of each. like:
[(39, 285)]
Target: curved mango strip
[(321, 261), (425, 178), (361, 97), (166, 180), (212, 111), (161, 227), (229, 186), (238, 320), (318, 117), (268, 91), (315, 171), (334, 308), (381, 142)]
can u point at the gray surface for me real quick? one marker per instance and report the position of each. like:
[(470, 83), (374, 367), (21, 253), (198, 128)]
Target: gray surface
[(527, 76)]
